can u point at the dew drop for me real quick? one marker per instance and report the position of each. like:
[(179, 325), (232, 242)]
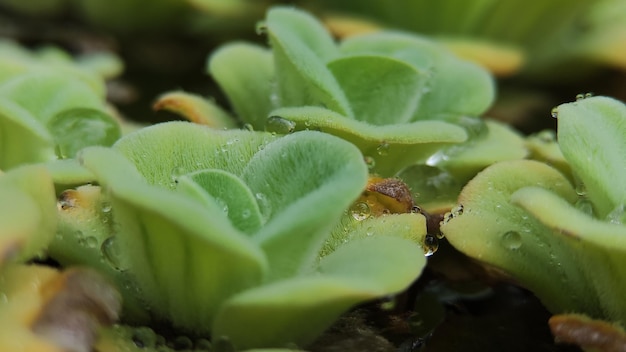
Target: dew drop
[(248, 127), (246, 213), (144, 337), (360, 211), (383, 149), (580, 189), (277, 124), (264, 204), (416, 209), (584, 205), (370, 162), (431, 244), (176, 173), (555, 112), (588, 95), (261, 28), (110, 252), (617, 215), (90, 242), (222, 204), (105, 207), (580, 97), (512, 240)]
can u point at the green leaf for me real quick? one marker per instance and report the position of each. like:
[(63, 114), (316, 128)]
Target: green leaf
[(392, 147), (164, 152), (302, 307), (410, 226), (45, 94), (598, 246), (182, 260), (309, 178), (592, 137), (27, 213), (301, 49), (454, 86), (230, 195), (75, 129), (486, 226), (22, 138), (389, 92), (248, 87), (466, 160)]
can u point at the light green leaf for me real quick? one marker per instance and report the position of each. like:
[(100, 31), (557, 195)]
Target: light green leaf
[(230, 195), (22, 138), (454, 86), (592, 137), (45, 94), (164, 152), (302, 307), (410, 226), (301, 48), (27, 213), (465, 160), (381, 90), (77, 128), (248, 87), (486, 226), (392, 147), (309, 178), (182, 260), (599, 247)]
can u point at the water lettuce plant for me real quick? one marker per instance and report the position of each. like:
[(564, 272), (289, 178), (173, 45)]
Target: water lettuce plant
[(50, 106), (560, 236), (398, 98), (215, 230)]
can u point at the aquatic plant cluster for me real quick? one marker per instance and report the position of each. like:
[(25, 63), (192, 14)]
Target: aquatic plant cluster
[(319, 188)]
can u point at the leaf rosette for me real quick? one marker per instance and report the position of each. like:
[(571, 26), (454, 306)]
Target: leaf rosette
[(566, 243), (50, 107), (397, 97), (215, 230)]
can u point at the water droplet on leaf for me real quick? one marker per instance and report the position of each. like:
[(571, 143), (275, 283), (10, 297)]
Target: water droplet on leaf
[(555, 112), (585, 206), (280, 125), (617, 215), (431, 244), (512, 240), (248, 127), (176, 173), (383, 149), (111, 253), (89, 241), (370, 162), (144, 337), (261, 28), (105, 207), (360, 211)]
